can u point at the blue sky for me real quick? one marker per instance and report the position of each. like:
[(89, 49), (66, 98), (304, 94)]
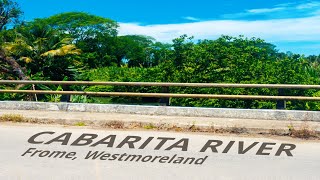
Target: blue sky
[(291, 25)]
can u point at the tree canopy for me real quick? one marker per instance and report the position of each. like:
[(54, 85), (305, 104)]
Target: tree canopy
[(81, 46), (9, 12), (79, 24)]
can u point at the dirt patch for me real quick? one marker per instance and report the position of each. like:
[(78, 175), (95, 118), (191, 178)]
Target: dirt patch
[(303, 132), (12, 118)]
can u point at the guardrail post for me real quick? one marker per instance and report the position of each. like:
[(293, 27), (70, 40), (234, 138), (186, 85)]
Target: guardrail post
[(67, 97), (165, 101), (281, 104)]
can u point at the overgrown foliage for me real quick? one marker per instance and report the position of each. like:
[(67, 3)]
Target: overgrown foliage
[(81, 46)]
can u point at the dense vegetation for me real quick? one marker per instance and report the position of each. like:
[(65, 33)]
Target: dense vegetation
[(80, 46)]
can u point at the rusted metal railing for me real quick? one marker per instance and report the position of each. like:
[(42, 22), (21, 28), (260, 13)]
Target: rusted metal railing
[(165, 90), (199, 85)]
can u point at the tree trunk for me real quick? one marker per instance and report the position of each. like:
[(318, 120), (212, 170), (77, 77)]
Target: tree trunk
[(13, 64), (16, 69), (5, 70)]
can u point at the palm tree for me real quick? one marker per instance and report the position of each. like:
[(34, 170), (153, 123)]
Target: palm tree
[(33, 44)]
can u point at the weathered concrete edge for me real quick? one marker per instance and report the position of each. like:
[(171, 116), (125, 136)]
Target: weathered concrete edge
[(165, 123), (166, 111)]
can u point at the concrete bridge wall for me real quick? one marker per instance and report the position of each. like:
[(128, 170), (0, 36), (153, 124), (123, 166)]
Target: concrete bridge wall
[(286, 115)]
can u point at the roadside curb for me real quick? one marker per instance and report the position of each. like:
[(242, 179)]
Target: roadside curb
[(279, 115), (162, 123)]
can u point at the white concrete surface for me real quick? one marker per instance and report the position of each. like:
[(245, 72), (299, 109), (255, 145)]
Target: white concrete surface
[(304, 164), (100, 119), (279, 115)]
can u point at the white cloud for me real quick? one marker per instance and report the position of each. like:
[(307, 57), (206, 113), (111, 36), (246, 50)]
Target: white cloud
[(309, 5), (286, 4), (253, 12), (265, 10), (306, 8), (190, 18), (292, 29)]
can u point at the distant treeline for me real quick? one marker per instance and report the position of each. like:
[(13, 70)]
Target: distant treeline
[(81, 46)]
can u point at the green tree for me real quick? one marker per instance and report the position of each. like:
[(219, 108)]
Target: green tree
[(10, 12), (134, 50), (94, 35), (80, 25), (40, 49)]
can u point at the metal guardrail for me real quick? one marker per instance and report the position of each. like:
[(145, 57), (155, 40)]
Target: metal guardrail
[(166, 95), (200, 85), (280, 98)]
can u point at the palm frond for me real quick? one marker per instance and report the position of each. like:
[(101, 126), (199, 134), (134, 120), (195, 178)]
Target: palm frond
[(64, 50), (26, 59)]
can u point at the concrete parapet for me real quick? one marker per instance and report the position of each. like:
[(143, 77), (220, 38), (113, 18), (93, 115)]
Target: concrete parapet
[(259, 114)]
